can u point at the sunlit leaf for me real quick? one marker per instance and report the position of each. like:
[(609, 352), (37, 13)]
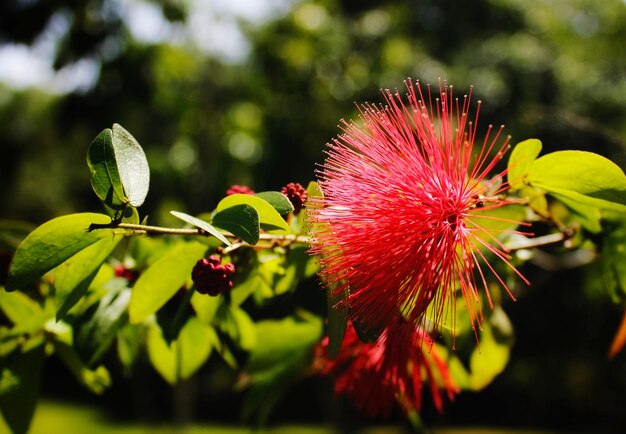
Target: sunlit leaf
[(314, 192), (237, 324), (51, 244), (581, 176), (520, 162), (182, 357), (163, 279), (132, 165), (269, 218), (205, 307), (19, 308), (105, 177)]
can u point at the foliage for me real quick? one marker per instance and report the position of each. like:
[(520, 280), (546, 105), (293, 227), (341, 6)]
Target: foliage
[(65, 295), (551, 69)]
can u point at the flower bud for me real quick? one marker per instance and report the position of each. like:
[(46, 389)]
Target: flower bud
[(212, 277), (239, 189), (296, 194)]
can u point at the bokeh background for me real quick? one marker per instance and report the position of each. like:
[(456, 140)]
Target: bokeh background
[(220, 92)]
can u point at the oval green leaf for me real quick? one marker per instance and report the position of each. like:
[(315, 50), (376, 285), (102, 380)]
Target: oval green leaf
[(53, 243), (132, 165), (202, 225), (581, 176), (105, 177), (269, 218), (18, 307), (73, 277), (162, 279), (181, 358), (521, 160), (241, 220), (279, 201), (97, 335)]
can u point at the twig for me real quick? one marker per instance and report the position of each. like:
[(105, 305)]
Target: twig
[(138, 229)]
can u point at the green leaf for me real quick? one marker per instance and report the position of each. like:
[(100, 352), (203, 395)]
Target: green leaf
[(205, 307), (105, 177), (296, 264), (53, 243), (314, 193), (241, 220), (269, 218), (73, 277), (237, 324), (181, 358), (162, 279), (19, 308), (8, 381), (96, 380), (279, 201), (282, 351), (132, 165), (281, 343), (489, 359), (587, 215), (253, 283), (96, 336), (18, 404), (202, 225), (129, 345), (521, 161), (581, 176)]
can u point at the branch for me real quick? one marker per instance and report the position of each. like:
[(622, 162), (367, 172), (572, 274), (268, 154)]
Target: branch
[(137, 229)]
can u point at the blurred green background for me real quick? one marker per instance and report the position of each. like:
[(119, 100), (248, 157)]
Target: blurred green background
[(232, 91)]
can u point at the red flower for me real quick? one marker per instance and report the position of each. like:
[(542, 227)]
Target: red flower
[(398, 228), (392, 370)]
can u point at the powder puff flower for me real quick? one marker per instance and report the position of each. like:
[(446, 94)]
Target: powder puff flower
[(400, 224), (393, 370)]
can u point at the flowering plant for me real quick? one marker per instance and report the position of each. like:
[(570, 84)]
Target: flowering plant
[(417, 224)]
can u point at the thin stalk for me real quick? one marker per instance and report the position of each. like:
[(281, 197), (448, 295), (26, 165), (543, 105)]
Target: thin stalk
[(138, 229)]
